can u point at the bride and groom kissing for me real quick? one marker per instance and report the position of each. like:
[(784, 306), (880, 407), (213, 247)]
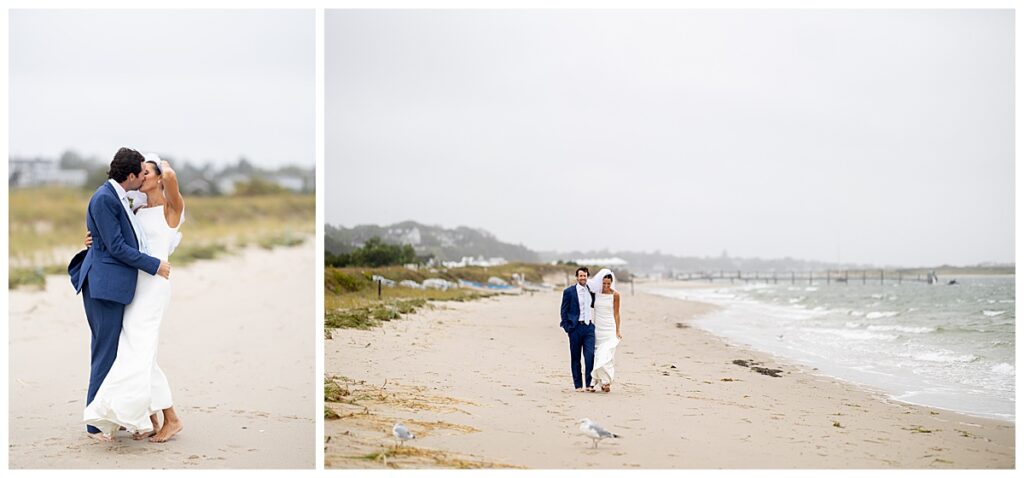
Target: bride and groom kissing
[(590, 317), (123, 276)]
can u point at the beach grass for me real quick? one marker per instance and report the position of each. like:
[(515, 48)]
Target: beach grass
[(351, 296), (47, 227), (362, 310), (32, 276), (350, 279)]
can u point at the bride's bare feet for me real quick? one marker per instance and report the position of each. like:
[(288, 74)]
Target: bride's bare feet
[(606, 387), (143, 435), (170, 428), (101, 437)]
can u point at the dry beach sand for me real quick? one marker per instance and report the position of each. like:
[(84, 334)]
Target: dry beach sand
[(237, 345), (487, 384)]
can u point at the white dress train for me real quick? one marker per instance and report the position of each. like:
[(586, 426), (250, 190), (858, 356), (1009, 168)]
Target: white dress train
[(605, 338), (135, 387)]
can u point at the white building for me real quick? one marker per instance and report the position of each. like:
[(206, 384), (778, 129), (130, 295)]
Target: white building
[(291, 183), (41, 172), (476, 261), (603, 261)]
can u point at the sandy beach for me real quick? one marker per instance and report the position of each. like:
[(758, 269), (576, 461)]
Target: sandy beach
[(487, 384), (237, 346)]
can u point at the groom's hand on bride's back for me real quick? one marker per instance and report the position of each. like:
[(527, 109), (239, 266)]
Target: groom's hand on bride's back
[(165, 267), (164, 270)]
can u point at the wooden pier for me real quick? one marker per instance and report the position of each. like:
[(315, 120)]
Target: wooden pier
[(877, 276)]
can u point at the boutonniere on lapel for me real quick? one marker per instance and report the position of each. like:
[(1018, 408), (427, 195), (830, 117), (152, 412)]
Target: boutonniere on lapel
[(131, 203)]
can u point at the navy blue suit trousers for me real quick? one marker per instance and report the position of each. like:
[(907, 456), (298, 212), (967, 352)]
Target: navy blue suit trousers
[(105, 320), (581, 342)]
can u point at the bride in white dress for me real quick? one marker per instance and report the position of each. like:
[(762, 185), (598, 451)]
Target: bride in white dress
[(135, 390), (607, 333)]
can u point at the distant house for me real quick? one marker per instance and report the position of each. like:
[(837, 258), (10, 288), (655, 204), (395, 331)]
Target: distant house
[(228, 184), (476, 261), (42, 172), (291, 183), (199, 187), (603, 261)]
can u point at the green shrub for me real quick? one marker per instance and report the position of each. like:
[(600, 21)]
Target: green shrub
[(374, 253), (339, 281)]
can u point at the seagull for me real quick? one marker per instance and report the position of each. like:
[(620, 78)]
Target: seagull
[(401, 433), (594, 431)]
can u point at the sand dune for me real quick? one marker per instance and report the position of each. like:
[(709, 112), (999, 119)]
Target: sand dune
[(487, 384), (237, 346)]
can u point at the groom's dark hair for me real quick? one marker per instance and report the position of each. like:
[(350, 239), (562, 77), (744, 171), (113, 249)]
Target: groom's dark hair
[(584, 269), (126, 161)]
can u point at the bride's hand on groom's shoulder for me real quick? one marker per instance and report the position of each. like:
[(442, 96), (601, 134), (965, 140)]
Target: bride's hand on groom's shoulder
[(88, 239)]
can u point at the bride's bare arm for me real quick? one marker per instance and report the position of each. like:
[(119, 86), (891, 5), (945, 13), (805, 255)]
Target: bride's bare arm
[(616, 303), (171, 190)]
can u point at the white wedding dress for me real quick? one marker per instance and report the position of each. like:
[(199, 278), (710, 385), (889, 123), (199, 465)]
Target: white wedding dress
[(135, 387), (605, 338)]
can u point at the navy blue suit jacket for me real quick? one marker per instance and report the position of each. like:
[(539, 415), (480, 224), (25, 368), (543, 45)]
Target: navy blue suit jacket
[(112, 263), (571, 308)]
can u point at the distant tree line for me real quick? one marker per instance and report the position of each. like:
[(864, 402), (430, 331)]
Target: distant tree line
[(441, 243), (374, 253), (246, 178)]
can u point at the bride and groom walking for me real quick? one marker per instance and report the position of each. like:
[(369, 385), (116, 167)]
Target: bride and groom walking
[(124, 278), (590, 317)]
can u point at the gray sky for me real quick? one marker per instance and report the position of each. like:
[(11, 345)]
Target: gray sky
[(880, 137), (194, 84)]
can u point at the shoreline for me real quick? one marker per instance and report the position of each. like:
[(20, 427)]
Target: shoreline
[(673, 379), (235, 345), (878, 389)]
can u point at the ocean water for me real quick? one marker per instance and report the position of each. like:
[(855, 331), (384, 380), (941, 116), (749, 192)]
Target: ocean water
[(945, 346)]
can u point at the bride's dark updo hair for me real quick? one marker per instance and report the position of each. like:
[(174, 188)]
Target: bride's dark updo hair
[(155, 166), (608, 276)]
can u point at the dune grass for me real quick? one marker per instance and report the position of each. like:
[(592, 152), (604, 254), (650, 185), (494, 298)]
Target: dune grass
[(47, 227), (32, 276), (351, 300), (362, 310), (350, 279)]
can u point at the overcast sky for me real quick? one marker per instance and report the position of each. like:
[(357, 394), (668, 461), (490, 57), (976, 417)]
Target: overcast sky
[(881, 137), (194, 84)]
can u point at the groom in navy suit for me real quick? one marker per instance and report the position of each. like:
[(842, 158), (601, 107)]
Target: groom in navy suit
[(106, 273), (578, 323)]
